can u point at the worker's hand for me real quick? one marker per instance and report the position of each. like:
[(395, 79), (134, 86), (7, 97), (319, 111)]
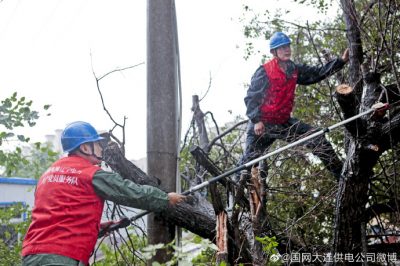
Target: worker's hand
[(105, 225), (175, 198), (345, 56), (259, 128)]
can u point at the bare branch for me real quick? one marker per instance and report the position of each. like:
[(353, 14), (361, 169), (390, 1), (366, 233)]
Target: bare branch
[(119, 70), (208, 89), (226, 132)]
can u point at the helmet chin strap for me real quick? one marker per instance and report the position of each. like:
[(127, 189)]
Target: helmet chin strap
[(92, 154)]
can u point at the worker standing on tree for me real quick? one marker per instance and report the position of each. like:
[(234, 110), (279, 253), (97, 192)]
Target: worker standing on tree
[(69, 201), (270, 100)]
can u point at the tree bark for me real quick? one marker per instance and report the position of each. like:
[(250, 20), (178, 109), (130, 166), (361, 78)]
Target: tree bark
[(353, 186), (358, 168), (257, 200), (355, 45), (366, 139), (222, 237), (198, 116), (196, 215)]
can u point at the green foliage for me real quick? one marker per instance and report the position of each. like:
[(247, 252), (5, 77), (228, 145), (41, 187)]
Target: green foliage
[(15, 112), (321, 5), (11, 231), (207, 254), (125, 253), (138, 252), (206, 257), (150, 250), (301, 191), (9, 161), (307, 39), (269, 245), (17, 158), (39, 158), (301, 197)]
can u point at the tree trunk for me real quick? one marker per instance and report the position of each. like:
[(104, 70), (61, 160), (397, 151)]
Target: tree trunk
[(358, 168), (366, 139), (353, 186)]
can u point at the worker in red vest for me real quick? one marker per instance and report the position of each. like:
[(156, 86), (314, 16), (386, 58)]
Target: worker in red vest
[(69, 201), (270, 100)]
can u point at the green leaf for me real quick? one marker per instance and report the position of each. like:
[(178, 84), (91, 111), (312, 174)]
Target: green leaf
[(21, 138)]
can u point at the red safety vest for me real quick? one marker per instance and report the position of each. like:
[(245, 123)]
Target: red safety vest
[(279, 97), (67, 212)]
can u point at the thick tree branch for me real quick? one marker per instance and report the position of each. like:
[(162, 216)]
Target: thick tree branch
[(197, 216)]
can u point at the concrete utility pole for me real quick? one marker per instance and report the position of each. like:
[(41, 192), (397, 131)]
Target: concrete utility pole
[(162, 110)]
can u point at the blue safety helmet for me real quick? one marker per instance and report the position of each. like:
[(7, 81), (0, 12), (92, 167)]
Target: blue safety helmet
[(78, 133), (278, 39)]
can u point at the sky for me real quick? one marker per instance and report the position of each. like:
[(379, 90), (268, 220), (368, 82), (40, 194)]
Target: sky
[(49, 50)]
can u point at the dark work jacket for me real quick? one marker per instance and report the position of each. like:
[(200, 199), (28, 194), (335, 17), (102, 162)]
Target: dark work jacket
[(306, 75)]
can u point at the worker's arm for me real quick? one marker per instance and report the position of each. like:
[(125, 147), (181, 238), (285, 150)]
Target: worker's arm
[(112, 187), (312, 74), (256, 94)]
